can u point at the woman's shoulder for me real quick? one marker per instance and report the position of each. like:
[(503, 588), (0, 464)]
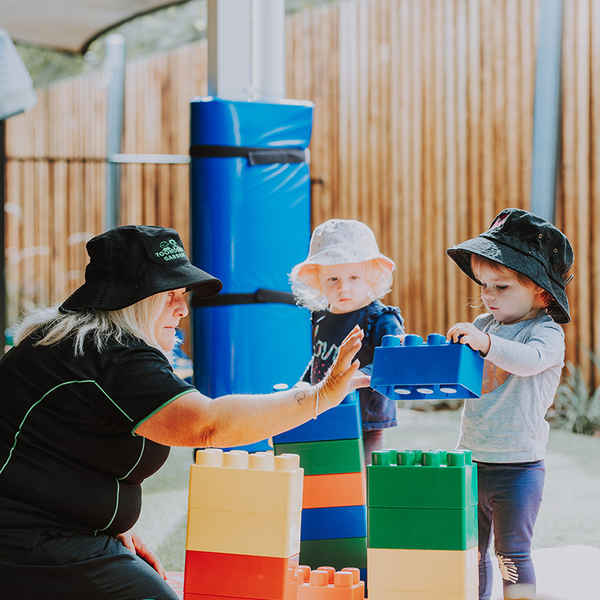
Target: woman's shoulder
[(127, 351)]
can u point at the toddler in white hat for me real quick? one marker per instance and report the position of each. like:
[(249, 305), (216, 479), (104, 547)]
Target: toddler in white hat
[(341, 282)]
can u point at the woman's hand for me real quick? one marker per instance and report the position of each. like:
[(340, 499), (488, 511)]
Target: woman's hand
[(133, 542), (467, 333), (343, 376)]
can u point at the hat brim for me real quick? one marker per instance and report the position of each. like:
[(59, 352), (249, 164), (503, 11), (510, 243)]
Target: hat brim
[(514, 259), (183, 276), (307, 272)]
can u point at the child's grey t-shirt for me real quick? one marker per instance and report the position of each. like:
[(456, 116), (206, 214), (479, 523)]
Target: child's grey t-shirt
[(521, 374)]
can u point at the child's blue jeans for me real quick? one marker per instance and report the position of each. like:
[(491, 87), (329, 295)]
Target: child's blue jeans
[(509, 500)]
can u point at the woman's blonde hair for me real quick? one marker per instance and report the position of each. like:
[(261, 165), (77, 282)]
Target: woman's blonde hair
[(104, 326), (378, 274)]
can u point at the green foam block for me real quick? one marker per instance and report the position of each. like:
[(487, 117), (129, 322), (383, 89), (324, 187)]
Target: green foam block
[(423, 529), (421, 487), (332, 456), (338, 553)]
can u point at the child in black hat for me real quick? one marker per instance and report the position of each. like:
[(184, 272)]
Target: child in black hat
[(521, 263)]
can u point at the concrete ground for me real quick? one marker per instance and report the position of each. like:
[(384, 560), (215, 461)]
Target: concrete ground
[(567, 535)]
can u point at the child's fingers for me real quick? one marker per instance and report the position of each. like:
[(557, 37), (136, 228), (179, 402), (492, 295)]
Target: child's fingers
[(456, 331), (356, 332), (359, 380), (350, 346), (453, 334)]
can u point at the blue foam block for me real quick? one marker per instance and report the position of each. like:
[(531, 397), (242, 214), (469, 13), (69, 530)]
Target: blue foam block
[(426, 371), (342, 422), (262, 446), (331, 523)]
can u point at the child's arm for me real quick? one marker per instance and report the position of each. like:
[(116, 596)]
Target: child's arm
[(544, 349)]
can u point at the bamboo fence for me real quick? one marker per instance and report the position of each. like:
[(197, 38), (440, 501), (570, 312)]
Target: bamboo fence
[(422, 129)]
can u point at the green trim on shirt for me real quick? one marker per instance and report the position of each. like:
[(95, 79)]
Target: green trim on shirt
[(137, 462), (44, 396), (115, 511), (159, 408)]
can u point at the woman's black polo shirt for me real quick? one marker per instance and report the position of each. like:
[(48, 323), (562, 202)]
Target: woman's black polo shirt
[(68, 454)]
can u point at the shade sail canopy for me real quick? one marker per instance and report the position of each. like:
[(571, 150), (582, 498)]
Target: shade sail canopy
[(70, 25)]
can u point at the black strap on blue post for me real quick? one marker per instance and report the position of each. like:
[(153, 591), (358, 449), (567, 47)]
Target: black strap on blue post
[(260, 296), (255, 156)]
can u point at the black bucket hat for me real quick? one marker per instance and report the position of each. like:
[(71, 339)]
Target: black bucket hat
[(133, 262), (529, 245)]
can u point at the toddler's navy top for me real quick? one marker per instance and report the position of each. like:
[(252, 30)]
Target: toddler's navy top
[(68, 456), (330, 329)]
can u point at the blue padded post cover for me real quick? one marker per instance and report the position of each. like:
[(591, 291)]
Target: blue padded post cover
[(250, 226)]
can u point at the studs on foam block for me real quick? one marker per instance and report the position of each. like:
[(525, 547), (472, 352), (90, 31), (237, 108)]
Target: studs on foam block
[(325, 583)]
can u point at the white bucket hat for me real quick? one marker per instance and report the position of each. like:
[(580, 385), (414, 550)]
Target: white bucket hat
[(337, 242)]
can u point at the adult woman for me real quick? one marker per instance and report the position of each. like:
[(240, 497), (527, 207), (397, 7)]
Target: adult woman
[(92, 409)]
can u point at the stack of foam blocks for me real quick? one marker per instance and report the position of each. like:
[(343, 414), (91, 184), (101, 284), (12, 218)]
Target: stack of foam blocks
[(334, 504), (422, 525), (243, 530)]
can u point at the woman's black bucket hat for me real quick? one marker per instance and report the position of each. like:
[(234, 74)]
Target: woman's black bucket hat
[(529, 245), (133, 262)]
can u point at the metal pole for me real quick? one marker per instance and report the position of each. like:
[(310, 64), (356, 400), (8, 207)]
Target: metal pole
[(115, 73), (268, 48), (3, 298), (546, 110), (246, 49)]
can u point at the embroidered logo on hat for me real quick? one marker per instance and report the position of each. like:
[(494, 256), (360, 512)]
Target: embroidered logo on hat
[(498, 222), (156, 262), (170, 250)]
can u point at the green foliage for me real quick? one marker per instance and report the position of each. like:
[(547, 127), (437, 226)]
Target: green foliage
[(576, 407)]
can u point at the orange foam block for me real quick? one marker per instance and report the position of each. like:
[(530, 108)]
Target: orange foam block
[(239, 575), (334, 489), (325, 583)]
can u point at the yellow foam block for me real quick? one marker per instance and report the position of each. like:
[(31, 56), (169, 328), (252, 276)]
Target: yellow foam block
[(428, 572), (377, 594), (259, 534), (251, 483)]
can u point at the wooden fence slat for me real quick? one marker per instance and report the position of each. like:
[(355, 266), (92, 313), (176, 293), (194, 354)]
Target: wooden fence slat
[(450, 156), (462, 155), (582, 91), (595, 180), (432, 143), (14, 218), (59, 231)]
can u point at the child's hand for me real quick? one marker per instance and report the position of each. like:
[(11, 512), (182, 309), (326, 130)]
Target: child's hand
[(467, 333)]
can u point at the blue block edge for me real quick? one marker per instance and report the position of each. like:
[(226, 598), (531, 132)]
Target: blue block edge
[(333, 522), (342, 422)]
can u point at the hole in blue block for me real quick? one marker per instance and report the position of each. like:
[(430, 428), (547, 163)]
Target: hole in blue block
[(402, 391), (423, 390), (448, 390)]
